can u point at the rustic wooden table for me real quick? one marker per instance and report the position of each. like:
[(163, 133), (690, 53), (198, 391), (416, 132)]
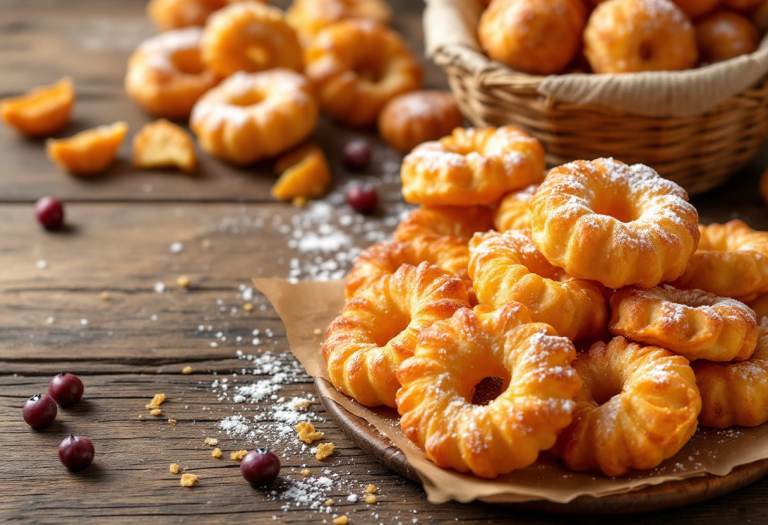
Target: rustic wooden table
[(126, 348)]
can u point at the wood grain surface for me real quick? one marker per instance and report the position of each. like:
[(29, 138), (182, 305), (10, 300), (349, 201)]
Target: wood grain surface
[(120, 227)]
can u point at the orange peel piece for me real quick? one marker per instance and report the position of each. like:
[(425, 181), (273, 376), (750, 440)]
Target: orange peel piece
[(42, 111), (305, 173), (163, 144), (89, 152)]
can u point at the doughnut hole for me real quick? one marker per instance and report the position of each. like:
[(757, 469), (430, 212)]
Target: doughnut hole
[(369, 69), (609, 386), (488, 389), (397, 323), (259, 55), (485, 381), (247, 98), (188, 61), (616, 205)]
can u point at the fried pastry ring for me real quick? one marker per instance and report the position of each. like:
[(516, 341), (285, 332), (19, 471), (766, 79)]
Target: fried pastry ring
[(506, 267), (692, 323), (378, 328), (616, 224), (731, 261), (735, 394), (514, 212), (440, 221), (309, 17), (472, 166), (455, 355), (638, 406)]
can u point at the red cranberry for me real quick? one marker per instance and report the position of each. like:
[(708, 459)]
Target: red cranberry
[(40, 411), (50, 213), (66, 389), (356, 154), (76, 453), (260, 467), (363, 198)]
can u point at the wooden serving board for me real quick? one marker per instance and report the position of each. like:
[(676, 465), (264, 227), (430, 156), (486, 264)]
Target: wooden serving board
[(657, 497)]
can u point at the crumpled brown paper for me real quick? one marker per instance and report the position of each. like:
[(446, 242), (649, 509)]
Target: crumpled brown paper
[(309, 307), (450, 26)]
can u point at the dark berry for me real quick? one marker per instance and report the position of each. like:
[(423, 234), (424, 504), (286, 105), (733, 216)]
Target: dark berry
[(66, 389), (356, 154), (50, 213), (40, 411), (76, 453), (260, 467), (363, 198)]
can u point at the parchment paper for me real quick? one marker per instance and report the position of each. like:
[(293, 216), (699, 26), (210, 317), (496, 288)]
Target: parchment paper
[(451, 25), (308, 306)]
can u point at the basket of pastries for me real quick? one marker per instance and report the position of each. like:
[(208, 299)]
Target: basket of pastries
[(679, 85)]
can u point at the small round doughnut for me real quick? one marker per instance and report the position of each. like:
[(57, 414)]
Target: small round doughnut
[(412, 118), (724, 35), (731, 261), (178, 14), (472, 167), (539, 38), (620, 225), (385, 258), (697, 8), (453, 356), (377, 330), (166, 75), (506, 267), (626, 36), (692, 323), (249, 36), (309, 17), (638, 406), (357, 66), (514, 212), (250, 116), (760, 306), (735, 394), (742, 5)]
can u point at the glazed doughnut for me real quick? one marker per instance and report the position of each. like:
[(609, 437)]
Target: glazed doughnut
[(724, 35), (309, 17), (385, 258), (692, 323), (357, 66), (166, 75), (625, 36), (506, 267), (178, 14), (539, 38), (455, 355), (378, 328), (616, 224), (410, 119), (249, 36), (735, 394), (250, 116), (731, 261), (472, 167), (638, 406), (697, 8), (514, 212)]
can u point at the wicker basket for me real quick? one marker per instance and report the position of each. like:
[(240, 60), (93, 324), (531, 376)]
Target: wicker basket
[(697, 152)]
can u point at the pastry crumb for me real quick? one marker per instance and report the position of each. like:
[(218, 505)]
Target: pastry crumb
[(105, 296), (305, 472), (211, 441), (248, 307), (299, 201), (174, 468), (158, 400), (238, 455), (324, 450), (216, 453), (317, 331), (183, 281), (307, 432), (299, 403), (370, 499), (341, 520), (329, 502), (187, 370), (188, 480), (171, 421), (206, 244), (156, 412), (141, 417), (370, 489)]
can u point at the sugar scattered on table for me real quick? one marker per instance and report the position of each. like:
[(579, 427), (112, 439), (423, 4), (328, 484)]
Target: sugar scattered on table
[(176, 247), (159, 287)]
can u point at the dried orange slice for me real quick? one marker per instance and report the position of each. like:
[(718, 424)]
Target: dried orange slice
[(42, 111), (89, 152), (305, 174), (163, 144)]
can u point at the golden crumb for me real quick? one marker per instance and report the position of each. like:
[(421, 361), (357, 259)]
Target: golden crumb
[(158, 400), (156, 412), (341, 520), (299, 403), (329, 502), (206, 244), (324, 450), (299, 202), (105, 296), (187, 370), (187, 480), (183, 281), (248, 307), (238, 455), (370, 489), (211, 441), (307, 432), (370, 499), (305, 472), (141, 417), (216, 453), (174, 468), (317, 331), (171, 421)]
